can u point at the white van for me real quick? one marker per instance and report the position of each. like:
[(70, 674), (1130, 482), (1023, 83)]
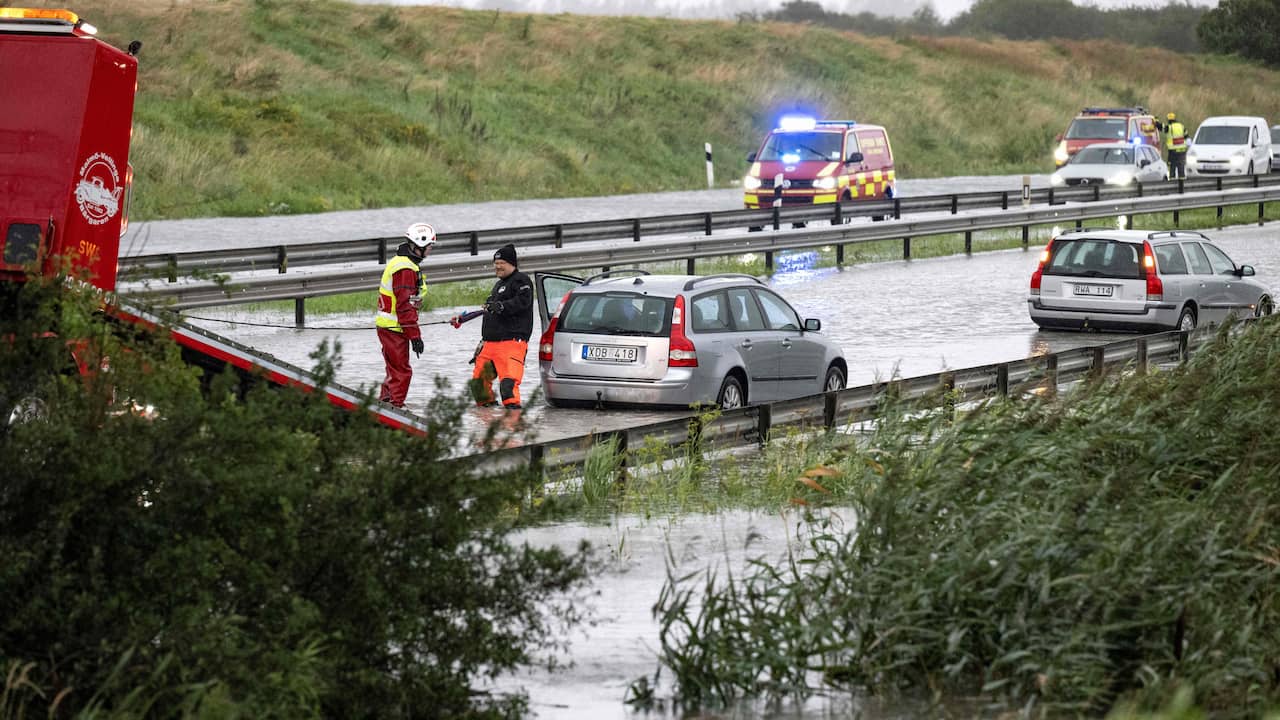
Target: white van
[(1230, 145)]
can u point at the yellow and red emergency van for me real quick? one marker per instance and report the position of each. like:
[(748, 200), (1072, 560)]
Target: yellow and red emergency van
[(1106, 125), (806, 161)]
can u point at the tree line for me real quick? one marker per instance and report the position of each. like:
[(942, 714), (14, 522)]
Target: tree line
[(1249, 28)]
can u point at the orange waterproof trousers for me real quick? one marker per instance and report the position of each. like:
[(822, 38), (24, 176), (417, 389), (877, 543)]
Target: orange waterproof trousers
[(504, 360)]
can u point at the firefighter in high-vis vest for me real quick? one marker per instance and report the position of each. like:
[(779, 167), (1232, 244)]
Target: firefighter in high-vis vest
[(399, 297), (1176, 143)]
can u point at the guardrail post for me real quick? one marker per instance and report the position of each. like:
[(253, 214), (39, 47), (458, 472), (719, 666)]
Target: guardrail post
[(1050, 196), (173, 268), (1181, 185), (1098, 365), (1002, 380), (620, 448), (1097, 193), (282, 259), (839, 255), (829, 403), (1051, 375), (1004, 200), (382, 251), (1140, 359), (948, 393), (897, 208), (777, 218), (906, 248), (1261, 215), (968, 242), (706, 220), (299, 312), (1026, 236), (764, 422), (688, 267), (768, 261), (1139, 189), (955, 204), (1175, 218), (536, 456), (635, 230), (1219, 216), (559, 236), (837, 215), (475, 243), (1184, 346)]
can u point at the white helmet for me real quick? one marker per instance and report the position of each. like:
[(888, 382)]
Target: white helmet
[(421, 235)]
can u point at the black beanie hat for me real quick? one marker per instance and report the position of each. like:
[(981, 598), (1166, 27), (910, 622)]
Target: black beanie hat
[(506, 252)]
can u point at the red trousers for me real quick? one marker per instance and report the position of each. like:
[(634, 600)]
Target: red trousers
[(503, 359), (395, 353)]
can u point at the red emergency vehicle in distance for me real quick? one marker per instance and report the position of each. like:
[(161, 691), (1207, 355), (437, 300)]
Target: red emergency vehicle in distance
[(1106, 125), (820, 161), (64, 137)]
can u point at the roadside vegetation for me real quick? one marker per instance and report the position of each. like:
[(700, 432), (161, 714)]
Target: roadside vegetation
[(1115, 549), (256, 107), (183, 547)]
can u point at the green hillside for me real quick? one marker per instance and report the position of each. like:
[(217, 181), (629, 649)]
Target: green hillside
[(253, 107)]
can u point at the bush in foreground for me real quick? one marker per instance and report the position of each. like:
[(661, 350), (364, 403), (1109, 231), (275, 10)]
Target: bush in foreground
[(244, 554), (1119, 545)]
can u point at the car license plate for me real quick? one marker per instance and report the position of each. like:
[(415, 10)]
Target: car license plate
[(610, 353), (1096, 290)]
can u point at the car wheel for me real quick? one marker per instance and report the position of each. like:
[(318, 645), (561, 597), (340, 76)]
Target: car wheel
[(834, 381), (1264, 308), (731, 395), (1187, 320)]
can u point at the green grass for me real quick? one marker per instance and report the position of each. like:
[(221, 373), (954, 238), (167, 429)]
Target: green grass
[(252, 107)]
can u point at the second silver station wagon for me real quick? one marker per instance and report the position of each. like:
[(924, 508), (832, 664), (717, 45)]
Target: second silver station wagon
[(1140, 281), (630, 338)]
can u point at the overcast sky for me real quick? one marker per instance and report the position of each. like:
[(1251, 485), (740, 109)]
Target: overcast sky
[(946, 9)]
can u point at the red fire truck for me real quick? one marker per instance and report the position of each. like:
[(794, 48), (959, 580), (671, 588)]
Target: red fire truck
[(66, 120)]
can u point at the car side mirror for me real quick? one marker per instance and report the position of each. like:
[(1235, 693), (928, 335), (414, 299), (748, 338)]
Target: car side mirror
[(814, 324), (854, 157), (1143, 162), (1245, 271), (751, 157)]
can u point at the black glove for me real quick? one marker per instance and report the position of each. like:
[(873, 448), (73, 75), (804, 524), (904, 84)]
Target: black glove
[(416, 344), (493, 307)]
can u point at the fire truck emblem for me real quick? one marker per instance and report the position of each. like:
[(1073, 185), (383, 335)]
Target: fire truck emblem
[(98, 192)]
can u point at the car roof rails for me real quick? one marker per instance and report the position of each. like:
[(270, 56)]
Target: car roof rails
[(1135, 110), (1100, 228), (608, 274), (721, 276), (1175, 234)]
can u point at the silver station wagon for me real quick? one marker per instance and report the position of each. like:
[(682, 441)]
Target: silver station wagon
[(1140, 281), (630, 338)]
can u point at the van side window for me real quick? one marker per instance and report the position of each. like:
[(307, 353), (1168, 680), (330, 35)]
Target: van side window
[(875, 148), (1222, 264), (851, 144), (1170, 261), (1196, 259), (744, 311)]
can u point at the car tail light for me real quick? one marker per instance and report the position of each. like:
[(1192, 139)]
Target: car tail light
[(682, 352), (548, 339), (1035, 276), (1155, 288)]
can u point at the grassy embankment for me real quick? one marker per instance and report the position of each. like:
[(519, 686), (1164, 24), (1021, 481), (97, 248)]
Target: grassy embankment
[(251, 107)]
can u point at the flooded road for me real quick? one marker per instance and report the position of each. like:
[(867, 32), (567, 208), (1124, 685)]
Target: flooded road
[(904, 317)]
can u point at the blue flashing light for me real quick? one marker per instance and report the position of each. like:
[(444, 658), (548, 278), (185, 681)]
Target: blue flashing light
[(793, 123), (790, 158), (1135, 140), (794, 262)]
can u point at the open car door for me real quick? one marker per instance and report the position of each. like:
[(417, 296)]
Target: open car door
[(551, 289)]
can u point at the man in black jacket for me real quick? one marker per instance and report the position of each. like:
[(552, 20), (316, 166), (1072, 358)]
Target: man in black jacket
[(508, 325)]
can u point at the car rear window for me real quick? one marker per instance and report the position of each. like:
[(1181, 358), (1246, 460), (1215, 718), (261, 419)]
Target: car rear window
[(616, 314), (1098, 128), (1086, 257)]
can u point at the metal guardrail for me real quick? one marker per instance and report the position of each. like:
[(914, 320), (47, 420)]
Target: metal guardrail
[(280, 258), (449, 267), (743, 427)]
